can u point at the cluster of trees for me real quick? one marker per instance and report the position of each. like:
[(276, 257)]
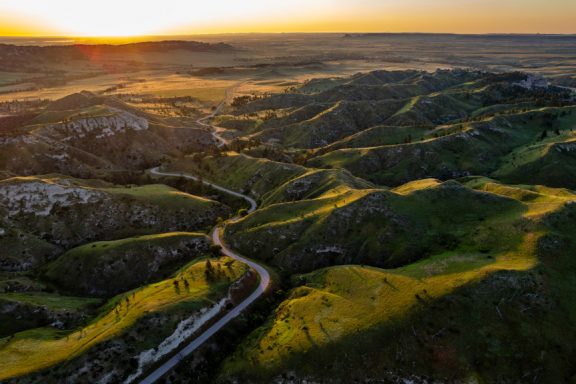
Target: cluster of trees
[(185, 283), (240, 145), (214, 273), (240, 101), (17, 106)]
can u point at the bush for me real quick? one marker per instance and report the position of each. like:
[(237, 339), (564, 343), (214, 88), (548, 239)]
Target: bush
[(215, 250)]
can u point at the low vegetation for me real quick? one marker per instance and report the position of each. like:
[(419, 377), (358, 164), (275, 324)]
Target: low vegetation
[(44, 347)]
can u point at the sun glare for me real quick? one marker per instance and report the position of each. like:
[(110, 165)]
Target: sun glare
[(107, 18), (102, 18), (133, 18)]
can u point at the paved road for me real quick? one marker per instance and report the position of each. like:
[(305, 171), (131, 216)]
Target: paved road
[(216, 237), (216, 130), (156, 171)]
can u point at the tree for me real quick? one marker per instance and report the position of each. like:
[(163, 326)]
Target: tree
[(215, 251), (209, 271)]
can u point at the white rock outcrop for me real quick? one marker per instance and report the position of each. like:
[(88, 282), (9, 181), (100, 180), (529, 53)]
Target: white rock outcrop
[(118, 121), (185, 329), (533, 81), (39, 197)]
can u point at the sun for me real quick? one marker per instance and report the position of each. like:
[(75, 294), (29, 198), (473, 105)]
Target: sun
[(103, 29), (111, 18), (99, 19)]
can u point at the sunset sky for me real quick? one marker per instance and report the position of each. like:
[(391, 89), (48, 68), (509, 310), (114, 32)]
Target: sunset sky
[(147, 17)]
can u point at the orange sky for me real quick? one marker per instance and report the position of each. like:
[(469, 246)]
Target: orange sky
[(138, 17)]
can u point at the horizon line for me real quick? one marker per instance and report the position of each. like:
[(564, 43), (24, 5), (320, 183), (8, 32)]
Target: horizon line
[(288, 33)]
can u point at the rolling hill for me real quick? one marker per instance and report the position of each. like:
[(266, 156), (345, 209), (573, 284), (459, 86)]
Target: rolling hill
[(419, 227), (87, 135), (458, 315), (40, 215)]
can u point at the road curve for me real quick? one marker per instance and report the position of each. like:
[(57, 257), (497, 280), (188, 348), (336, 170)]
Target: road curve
[(216, 237), (219, 139), (156, 171)]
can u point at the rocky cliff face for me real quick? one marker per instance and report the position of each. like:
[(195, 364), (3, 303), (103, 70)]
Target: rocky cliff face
[(91, 137), (98, 127), (533, 82), (39, 198), (39, 217)]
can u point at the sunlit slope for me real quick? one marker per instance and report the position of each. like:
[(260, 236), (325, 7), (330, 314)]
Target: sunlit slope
[(453, 316), (386, 228), (89, 135), (505, 144), (110, 267), (394, 127), (378, 136), (344, 108), (40, 348), (315, 183), (41, 215), (239, 172), (30, 309)]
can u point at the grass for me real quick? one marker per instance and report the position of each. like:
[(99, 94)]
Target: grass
[(411, 104), (315, 183), (108, 267), (543, 161), (240, 172), (332, 307), (36, 349), (210, 94), (508, 144), (51, 117), (52, 301), (162, 195), (340, 301), (377, 226), (417, 185), (378, 136)]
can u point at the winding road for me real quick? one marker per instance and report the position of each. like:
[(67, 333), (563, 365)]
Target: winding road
[(216, 130), (264, 283)]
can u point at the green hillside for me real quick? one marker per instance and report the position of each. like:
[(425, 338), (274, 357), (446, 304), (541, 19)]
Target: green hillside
[(43, 209), (110, 267), (45, 347), (455, 316), (379, 227)]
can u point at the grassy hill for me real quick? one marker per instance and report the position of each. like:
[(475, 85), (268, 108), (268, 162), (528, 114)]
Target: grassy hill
[(88, 135), (45, 211), (421, 226), (386, 228), (239, 172), (20, 311), (40, 221), (111, 267), (45, 347), (507, 142), (455, 316), (344, 107), (394, 127)]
